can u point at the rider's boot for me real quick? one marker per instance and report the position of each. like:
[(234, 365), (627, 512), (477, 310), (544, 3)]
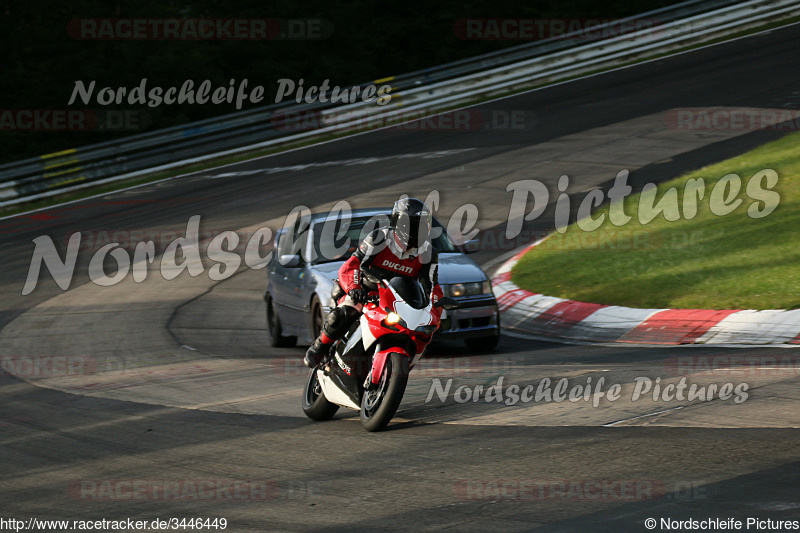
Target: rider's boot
[(320, 347), (336, 324)]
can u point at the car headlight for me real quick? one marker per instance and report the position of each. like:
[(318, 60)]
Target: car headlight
[(476, 288), (457, 289)]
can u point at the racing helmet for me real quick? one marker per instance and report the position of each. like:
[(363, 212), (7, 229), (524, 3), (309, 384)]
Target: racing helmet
[(411, 223)]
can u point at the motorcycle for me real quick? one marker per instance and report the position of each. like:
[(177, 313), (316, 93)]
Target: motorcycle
[(367, 369)]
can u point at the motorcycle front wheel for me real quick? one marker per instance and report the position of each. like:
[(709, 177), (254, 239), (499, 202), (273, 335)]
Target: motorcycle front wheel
[(378, 406)]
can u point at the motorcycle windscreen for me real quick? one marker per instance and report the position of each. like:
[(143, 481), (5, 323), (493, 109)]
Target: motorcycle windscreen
[(411, 304), (410, 290)]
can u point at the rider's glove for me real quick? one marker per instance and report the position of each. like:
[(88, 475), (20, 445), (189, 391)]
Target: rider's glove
[(359, 296)]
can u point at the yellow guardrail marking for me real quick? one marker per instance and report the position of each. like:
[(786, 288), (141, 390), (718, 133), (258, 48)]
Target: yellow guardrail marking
[(56, 154), (390, 78), (59, 184), (68, 171), (61, 163)]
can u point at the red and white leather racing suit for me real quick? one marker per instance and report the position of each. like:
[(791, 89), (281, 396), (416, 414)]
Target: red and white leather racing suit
[(379, 256)]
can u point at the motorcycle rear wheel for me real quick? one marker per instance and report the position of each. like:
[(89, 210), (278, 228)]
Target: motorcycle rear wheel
[(315, 405)]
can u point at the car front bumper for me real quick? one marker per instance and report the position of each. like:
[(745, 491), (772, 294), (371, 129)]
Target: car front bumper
[(477, 316)]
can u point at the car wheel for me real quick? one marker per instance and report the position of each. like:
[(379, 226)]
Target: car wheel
[(316, 317), (274, 332)]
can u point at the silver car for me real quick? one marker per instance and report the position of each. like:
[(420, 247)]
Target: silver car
[(306, 261)]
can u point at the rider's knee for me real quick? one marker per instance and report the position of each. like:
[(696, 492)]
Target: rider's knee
[(340, 319)]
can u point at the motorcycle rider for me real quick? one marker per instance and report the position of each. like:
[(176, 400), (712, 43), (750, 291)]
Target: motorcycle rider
[(403, 248)]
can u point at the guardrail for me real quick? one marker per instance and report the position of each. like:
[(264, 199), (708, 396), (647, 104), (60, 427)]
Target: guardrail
[(423, 92)]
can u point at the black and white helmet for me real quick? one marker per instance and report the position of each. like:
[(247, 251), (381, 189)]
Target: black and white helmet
[(411, 223)]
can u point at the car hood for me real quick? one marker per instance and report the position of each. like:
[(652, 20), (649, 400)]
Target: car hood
[(453, 268), (458, 268), (324, 274), (327, 269)]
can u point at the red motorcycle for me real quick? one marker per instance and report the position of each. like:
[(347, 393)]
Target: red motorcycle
[(367, 369)]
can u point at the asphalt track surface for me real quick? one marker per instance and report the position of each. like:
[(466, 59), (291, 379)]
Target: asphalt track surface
[(439, 464)]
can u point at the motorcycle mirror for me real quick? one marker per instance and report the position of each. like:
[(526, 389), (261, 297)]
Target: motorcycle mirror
[(447, 303)]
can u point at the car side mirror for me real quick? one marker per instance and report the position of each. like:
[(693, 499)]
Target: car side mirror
[(291, 261), (278, 236), (471, 246), (447, 303)]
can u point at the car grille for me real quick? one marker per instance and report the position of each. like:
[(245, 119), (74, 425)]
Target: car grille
[(478, 322)]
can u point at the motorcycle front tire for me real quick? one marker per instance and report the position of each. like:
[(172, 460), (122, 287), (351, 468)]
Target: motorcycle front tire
[(378, 407)]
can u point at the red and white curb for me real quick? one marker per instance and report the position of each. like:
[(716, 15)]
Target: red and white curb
[(548, 316)]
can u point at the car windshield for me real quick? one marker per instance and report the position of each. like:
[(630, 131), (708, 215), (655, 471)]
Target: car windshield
[(332, 244)]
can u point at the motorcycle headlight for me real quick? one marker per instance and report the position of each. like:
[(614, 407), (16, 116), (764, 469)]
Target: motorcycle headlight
[(392, 318)]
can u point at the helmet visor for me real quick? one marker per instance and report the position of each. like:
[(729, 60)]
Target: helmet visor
[(412, 230)]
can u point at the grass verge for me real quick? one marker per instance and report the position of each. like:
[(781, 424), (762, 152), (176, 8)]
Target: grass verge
[(713, 260)]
